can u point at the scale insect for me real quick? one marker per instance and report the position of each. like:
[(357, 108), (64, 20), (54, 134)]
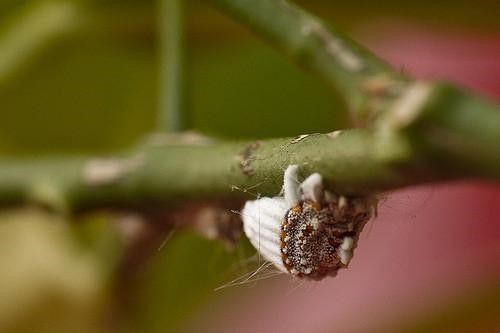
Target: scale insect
[(308, 232)]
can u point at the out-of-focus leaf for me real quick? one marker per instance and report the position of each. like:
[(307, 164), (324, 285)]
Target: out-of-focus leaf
[(46, 284), (251, 91), (181, 278), (92, 95), (83, 96)]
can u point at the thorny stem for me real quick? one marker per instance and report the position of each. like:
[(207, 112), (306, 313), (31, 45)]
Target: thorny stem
[(172, 111), (433, 133), (342, 63), (420, 132), (167, 172)]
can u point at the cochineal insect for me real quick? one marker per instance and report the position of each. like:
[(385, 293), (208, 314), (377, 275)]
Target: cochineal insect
[(308, 232)]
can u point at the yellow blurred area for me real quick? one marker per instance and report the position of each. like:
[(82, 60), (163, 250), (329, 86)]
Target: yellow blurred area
[(47, 283)]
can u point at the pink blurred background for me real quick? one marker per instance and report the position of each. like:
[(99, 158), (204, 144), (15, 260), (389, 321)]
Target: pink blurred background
[(429, 246)]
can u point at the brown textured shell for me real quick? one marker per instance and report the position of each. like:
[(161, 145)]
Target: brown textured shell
[(312, 232)]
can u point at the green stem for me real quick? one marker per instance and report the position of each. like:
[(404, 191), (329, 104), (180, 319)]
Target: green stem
[(458, 126), (326, 52), (424, 132), (172, 113), (432, 133), (170, 172)]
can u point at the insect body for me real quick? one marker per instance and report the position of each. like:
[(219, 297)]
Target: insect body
[(308, 232)]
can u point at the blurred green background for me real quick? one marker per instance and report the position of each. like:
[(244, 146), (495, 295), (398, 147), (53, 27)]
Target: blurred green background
[(95, 90)]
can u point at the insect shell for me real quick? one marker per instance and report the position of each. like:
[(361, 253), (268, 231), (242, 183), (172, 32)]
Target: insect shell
[(308, 232)]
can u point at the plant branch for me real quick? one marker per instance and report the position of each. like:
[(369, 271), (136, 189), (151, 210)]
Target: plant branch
[(169, 172), (432, 133), (342, 63), (420, 132)]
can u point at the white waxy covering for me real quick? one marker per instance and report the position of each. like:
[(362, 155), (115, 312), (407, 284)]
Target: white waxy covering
[(291, 185), (345, 250), (262, 225), (263, 221), (310, 190)]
